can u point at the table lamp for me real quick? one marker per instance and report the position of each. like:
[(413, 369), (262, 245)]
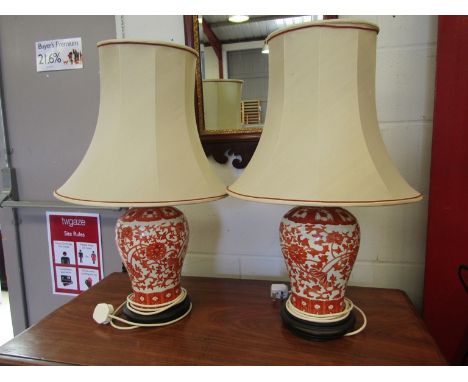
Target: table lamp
[(222, 104), (321, 150), (146, 155)]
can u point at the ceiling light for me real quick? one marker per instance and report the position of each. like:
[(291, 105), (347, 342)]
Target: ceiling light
[(238, 18)]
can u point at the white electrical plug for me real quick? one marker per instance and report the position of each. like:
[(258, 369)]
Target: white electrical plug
[(279, 291), (102, 313)]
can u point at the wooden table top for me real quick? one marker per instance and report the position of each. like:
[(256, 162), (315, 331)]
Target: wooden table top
[(233, 322)]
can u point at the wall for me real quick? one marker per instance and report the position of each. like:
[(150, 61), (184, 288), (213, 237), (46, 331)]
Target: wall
[(164, 28), (211, 64), (51, 119)]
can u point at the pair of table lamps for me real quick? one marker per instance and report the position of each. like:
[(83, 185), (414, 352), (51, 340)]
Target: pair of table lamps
[(320, 150)]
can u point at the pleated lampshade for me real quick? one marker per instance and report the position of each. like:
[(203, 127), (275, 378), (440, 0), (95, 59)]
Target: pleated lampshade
[(321, 143), (145, 150), (222, 104)]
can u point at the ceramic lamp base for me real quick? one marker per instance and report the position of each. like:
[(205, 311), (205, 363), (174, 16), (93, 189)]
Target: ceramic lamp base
[(317, 331), (152, 243), (170, 315), (319, 245)]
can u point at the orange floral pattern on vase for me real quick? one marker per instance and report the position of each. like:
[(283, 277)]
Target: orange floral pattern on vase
[(320, 246), (152, 243)]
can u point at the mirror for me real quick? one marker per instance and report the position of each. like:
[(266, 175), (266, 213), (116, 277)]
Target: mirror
[(232, 80)]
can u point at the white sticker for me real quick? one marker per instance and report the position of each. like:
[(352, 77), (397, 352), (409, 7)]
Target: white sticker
[(60, 54)]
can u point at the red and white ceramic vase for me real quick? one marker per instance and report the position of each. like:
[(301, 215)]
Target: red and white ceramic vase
[(320, 246), (152, 243)]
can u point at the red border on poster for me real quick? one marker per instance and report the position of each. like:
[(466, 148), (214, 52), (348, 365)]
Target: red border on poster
[(75, 251)]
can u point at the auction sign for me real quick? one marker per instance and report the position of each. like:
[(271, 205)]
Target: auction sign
[(61, 54), (74, 251)]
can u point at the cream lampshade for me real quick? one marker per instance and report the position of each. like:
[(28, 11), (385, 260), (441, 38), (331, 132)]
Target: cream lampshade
[(321, 146), (222, 104), (146, 154), (146, 150)]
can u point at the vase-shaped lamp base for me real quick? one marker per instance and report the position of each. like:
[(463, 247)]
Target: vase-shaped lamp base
[(152, 243), (319, 245)]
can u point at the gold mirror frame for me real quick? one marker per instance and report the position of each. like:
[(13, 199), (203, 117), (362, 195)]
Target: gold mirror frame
[(223, 143)]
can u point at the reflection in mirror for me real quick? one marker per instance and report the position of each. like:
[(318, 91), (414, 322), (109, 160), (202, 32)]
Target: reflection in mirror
[(234, 70), (222, 104)]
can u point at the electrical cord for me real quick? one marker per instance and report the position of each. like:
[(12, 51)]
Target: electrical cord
[(328, 318), (109, 316)]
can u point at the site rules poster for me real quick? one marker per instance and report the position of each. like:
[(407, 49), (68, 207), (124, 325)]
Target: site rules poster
[(75, 251)]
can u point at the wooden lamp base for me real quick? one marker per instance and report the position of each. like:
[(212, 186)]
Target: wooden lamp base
[(317, 331)]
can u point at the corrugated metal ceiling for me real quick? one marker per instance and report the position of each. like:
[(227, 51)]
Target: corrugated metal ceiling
[(256, 28)]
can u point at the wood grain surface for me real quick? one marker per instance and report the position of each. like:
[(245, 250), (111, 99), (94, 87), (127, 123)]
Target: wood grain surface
[(233, 322)]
